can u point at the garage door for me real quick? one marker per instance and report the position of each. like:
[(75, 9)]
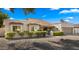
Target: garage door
[(67, 30), (76, 31)]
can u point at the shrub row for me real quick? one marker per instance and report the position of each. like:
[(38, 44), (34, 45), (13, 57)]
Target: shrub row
[(58, 33), (37, 33), (9, 35), (29, 34)]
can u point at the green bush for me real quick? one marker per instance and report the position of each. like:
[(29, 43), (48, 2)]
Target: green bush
[(43, 33), (9, 35), (40, 33), (21, 34), (26, 32), (37, 33), (30, 33), (58, 33)]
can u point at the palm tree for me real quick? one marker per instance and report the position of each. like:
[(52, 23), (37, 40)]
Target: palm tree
[(25, 10), (5, 16)]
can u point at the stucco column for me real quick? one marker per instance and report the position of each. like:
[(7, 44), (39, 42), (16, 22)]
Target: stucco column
[(73, 30)]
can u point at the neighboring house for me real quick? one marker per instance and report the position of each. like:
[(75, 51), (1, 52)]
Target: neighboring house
[(26, 25), (76, 29), (57, 27), (67, 28)]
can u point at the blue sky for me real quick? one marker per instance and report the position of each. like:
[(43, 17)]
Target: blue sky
[(52, 15)]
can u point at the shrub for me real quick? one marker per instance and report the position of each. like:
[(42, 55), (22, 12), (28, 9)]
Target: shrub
[(38, 33), (58, 33), (21, 34), (9, 35), (26, 32), (44, 33), (30, 33)]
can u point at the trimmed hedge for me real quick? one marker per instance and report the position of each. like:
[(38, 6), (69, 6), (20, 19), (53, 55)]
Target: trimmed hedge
[(40, 33), (30, 34), (26, 33), (10, 35), (21, 34), (37, 33), (58, 33)]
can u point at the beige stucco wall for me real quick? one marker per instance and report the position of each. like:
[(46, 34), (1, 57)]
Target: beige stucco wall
[(36, 27), (58, 25), (2, 31), (76, 31), (29, 28), (8, 27), (67, 27), (67, 30), (24, 27)]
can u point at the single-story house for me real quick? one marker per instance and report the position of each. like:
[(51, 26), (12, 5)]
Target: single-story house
[(67, 27), (36, 24), (26, 25), (76, 29)]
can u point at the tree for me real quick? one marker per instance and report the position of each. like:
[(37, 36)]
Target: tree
[(62, 20), (5, 16), (25, 10), (2, 18)]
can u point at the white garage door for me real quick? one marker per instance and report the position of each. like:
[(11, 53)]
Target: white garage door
[(76, 30)]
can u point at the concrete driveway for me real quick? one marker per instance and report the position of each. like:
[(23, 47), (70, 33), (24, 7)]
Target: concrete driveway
[(54, 38), (4, 43)]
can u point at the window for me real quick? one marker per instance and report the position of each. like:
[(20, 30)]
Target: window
[(16, 27)]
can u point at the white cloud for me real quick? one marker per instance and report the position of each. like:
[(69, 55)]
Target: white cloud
[(70, 11), (70, 18), (67, 20), (7, 8), (44, 16), (54, 8), (11, 18)]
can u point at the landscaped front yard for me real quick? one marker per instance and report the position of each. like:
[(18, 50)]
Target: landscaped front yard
[(51, 43)]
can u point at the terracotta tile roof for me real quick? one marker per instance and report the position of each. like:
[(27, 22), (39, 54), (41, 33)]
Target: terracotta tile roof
[(40, 22), (76, 25), (17, 22)]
